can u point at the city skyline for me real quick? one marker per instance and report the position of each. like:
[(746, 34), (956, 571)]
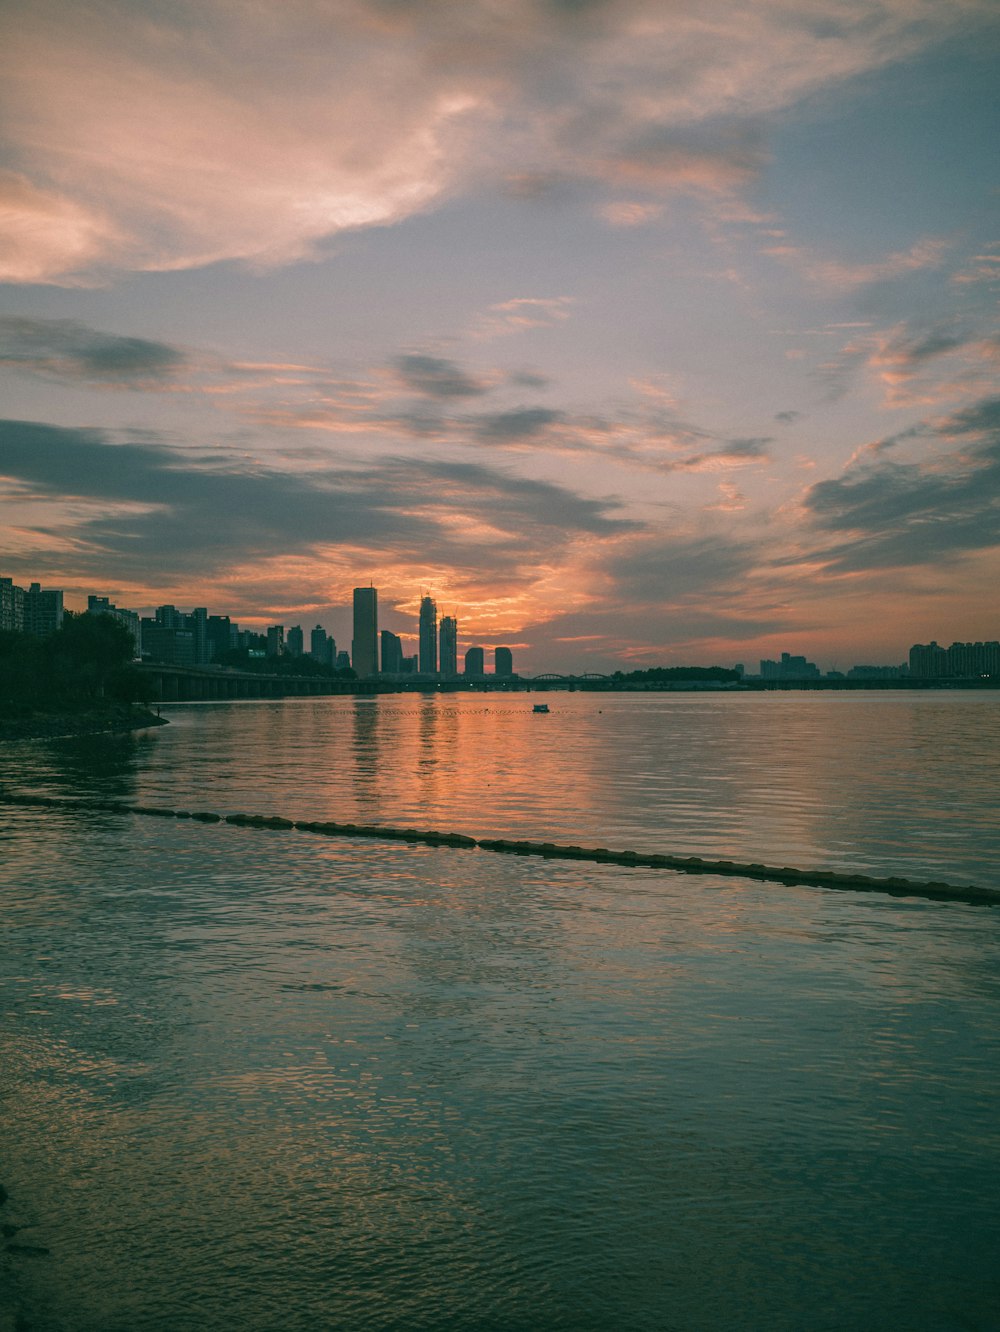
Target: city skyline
[(438, 652), (641, 337)]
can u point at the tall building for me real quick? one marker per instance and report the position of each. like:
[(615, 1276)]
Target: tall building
[(475, 661), (960, 661), (789, 668), (197, 622), (11, 607), (319, 646), (294, 641), (392, 653), (169, 617), (221, 634), (276, 640), (448, 637), (504, 661), (364, 648), (428, 636), (43, 610)]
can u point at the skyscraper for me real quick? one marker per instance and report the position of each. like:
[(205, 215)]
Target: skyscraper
[(449, 646), (392, 653), (475, 661), (504, 661), (364, 649), (43, 610), (318, 649), (428, 636), (294, 641)]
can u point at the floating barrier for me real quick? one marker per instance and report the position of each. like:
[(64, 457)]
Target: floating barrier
[(549, 850)]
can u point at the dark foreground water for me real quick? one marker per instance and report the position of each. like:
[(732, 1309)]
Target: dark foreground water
[(265, 1080)]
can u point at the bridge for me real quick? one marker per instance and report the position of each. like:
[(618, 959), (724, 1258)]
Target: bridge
[(186, 684), (183, 684)]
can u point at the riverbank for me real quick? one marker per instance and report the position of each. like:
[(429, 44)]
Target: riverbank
[(117, 718)]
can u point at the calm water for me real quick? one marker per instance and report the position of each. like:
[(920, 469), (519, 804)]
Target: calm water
[(265, 1080)]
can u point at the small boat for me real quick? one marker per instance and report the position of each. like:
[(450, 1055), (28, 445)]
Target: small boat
[(540, 707)]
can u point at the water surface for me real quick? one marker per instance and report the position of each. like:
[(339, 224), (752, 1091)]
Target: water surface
[(265, 1080)]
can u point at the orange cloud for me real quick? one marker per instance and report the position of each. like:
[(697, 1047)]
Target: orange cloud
[(167, 137)]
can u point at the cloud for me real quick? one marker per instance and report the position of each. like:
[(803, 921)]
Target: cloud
[(179, 135), (666, 570), (844, 276), (378, 408), (932, 364), (519, 315), (146, 510), (664, 161), (630, 212), (529, 379), (46, 235), (65, 349), (437, 378), (919, 364), (515, 426), (900, 513)]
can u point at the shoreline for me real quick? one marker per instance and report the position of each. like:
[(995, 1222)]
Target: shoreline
[(118, 720)]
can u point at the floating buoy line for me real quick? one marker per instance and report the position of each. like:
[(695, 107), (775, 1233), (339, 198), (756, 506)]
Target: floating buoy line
[(786, 874)]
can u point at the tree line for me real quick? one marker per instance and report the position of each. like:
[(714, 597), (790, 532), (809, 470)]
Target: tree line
[(666, 674), (85, 663)]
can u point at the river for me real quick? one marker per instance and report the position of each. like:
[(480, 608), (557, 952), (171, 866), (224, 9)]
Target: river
[(265, 1080)]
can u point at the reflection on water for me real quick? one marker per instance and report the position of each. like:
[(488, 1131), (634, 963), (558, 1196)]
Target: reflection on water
[(884, 783), (261, 1080)]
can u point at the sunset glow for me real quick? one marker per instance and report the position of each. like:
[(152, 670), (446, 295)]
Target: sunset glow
[(633, 334)]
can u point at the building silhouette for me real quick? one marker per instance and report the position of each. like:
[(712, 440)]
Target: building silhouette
[(364, 646), (428, 636), (503, 660), (475, 661), (392, 653), (43, 610), (221, 634), (294, 641), (789, 668), (276, 640), (961, 661), (448, 638), (322, 648)]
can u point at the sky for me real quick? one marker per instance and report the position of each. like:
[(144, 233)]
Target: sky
[(636, 332)]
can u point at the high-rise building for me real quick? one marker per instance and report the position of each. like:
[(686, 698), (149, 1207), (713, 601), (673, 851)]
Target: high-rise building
[(11, 607), (43, 610), (197, 622), (960, 661), (276, 640), (789, 668), (294, 641), (322, 648), (221, 633), (504, 661), (428, 636), (364, 648), (448, 638), (169, 617), (392, 653), (475, 661)]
